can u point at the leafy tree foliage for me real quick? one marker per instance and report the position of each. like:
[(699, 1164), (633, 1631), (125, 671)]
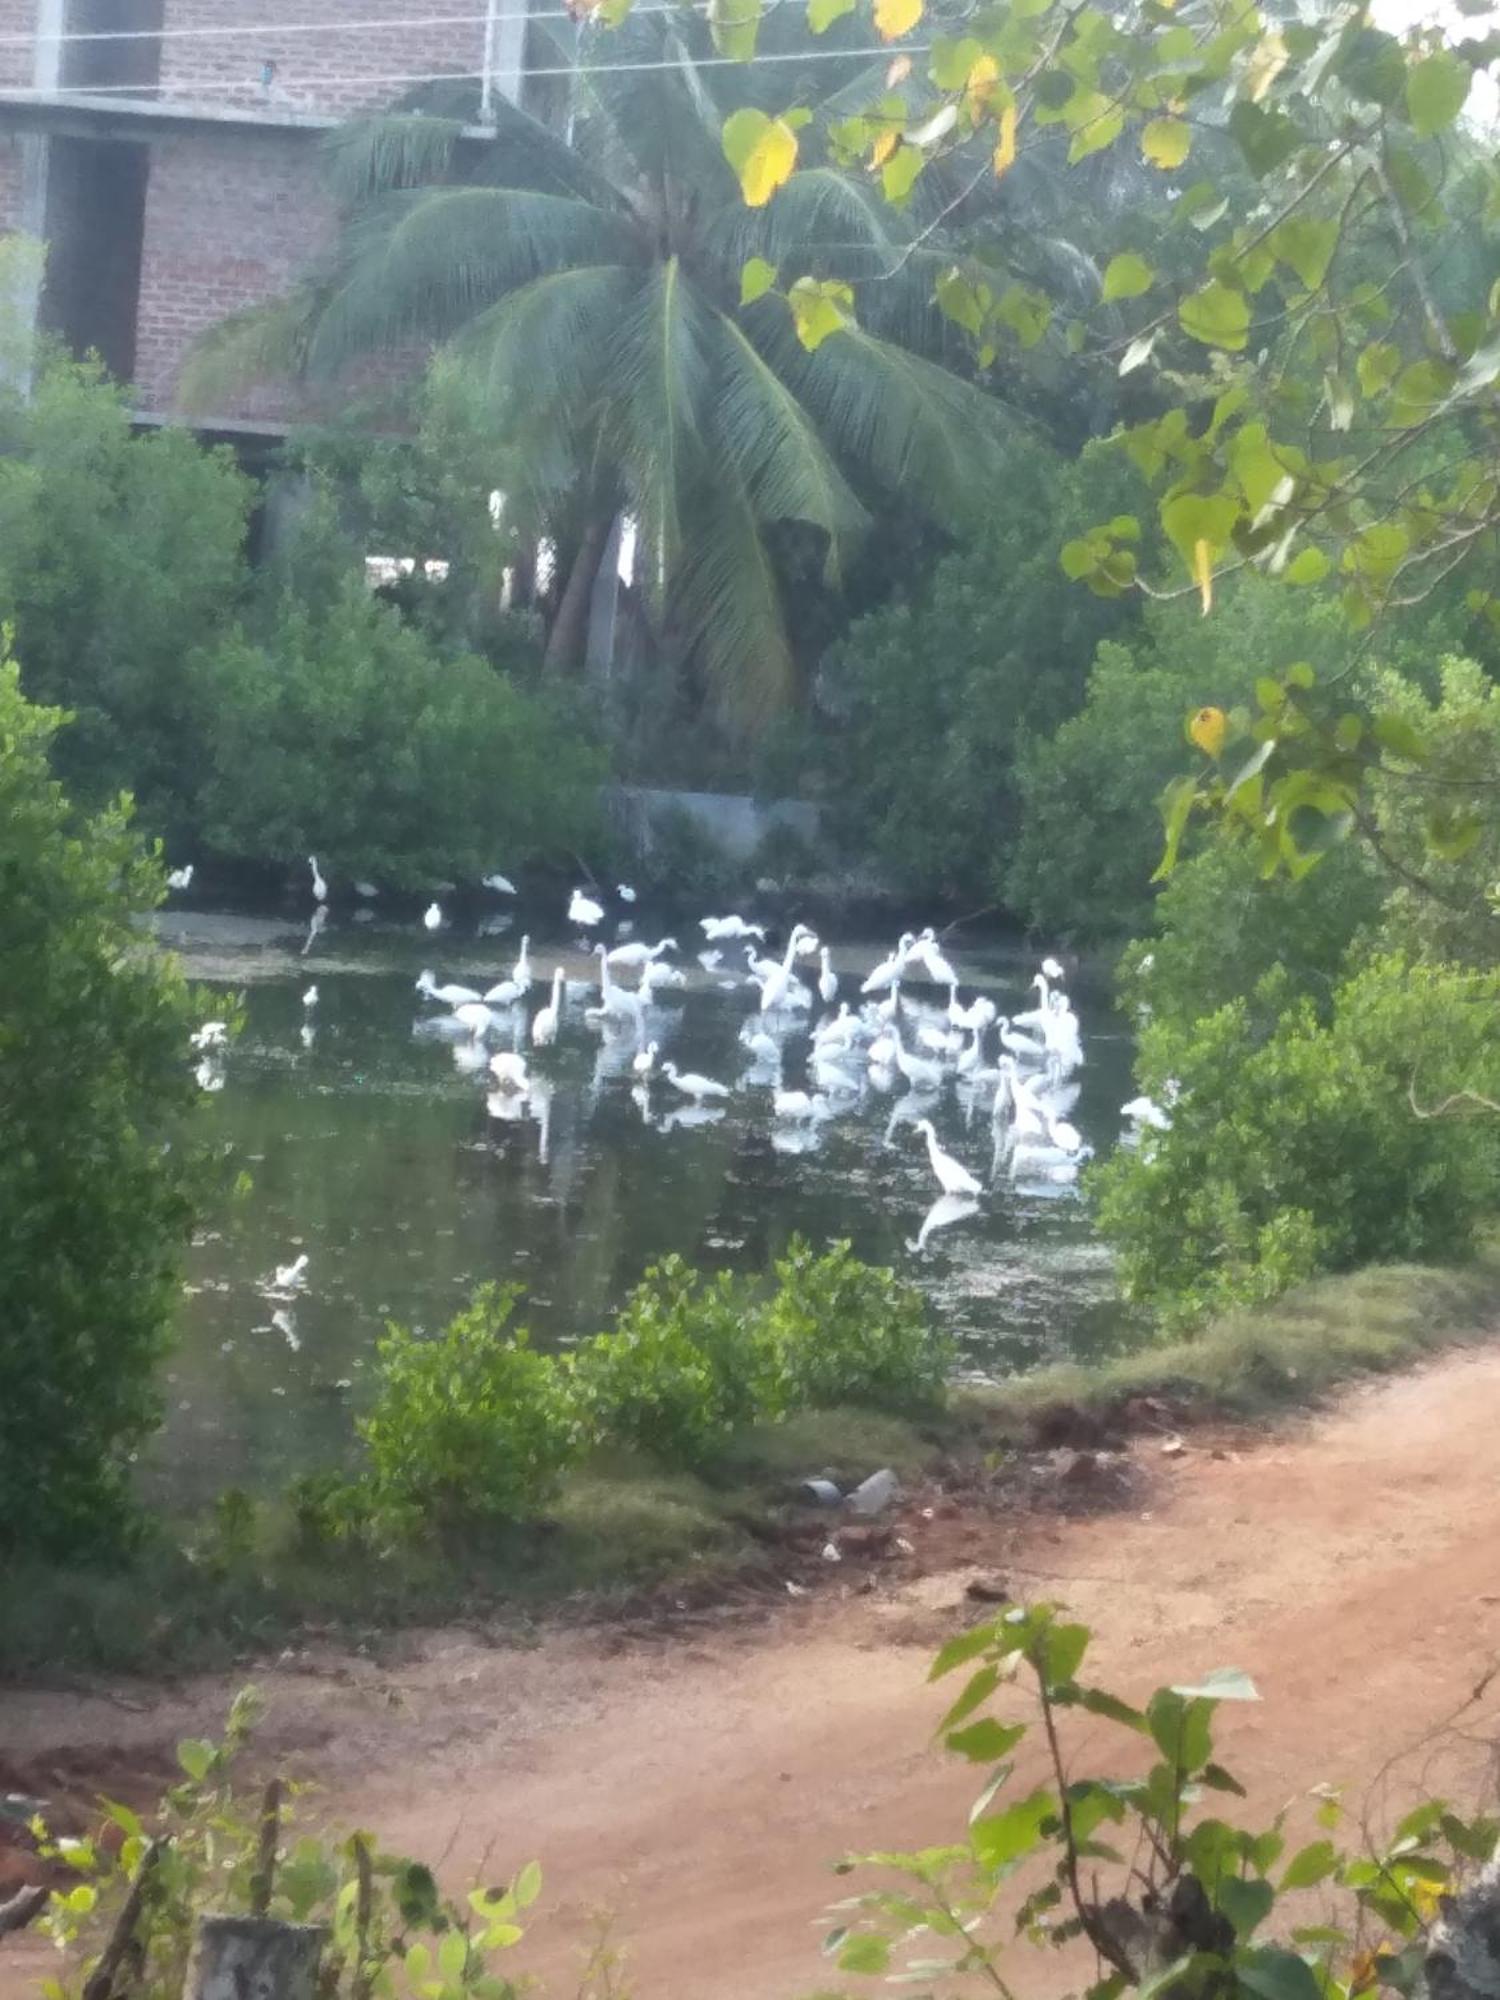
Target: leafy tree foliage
[(609, 299), (930, 702), (340, 730), (120, 556), (98, 1177), (1298, 1141)]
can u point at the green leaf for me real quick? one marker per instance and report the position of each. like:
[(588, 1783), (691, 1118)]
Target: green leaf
[(1247, 1902), (1264, 135), (1219, 1780), (1181, 1729), (819, 307), (1398, 736), (196, 1756), (453, 1955), (1060, 1652), (1177, 805), (986, 1741), (756, 279), (864, 1953), (967, 1646), (1437, 89), (528, 1885), (821, 14), (762, 151), (1273, 1974), (1165, 142), (1310, 1865), (734, 26), (1377, 367), (1218, 316), (899, 174), (1307, 245), (1371, 66), (1223, 1684), (959, 300), (1309, 566), (1126, 277), (1000, 1838), (978, 1688), (1098, 1702)]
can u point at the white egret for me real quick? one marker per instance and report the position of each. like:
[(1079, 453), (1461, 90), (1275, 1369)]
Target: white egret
[(520, 972), (1140, 1111), (644, 1061), (1020, 1045), (212, 1035), (693, 1085), (978, 1014), (926, 949), (449, 994), (808, 942), (889, 970), (475, 1016), (940, 1041), (920, 1071), (716, 929), (505, 993), (509, 1070), (584, 910), (544, 1027), (638, 953), (837, 1033), (209, 1074), (501, 884), (1052, 969), (319, 886), (291, 1277), (828, 979), (953, 1176), (798, 1107), (655, 972), (308, 1034), (432, 917), (180, 878), (310, 997), (625, 893), (1065, 1136)]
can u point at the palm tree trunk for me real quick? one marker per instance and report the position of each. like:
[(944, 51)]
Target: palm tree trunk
[(570, 628)]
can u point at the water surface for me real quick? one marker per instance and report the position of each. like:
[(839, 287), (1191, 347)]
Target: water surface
[(369, 1148)]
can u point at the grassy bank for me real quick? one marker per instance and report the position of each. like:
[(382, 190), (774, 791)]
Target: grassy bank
[(622, 1530), (1256, 1360)]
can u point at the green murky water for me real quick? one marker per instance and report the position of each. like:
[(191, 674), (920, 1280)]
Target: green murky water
[(372, 1151)]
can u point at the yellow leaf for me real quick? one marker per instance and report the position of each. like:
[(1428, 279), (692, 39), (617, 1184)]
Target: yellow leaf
[(1005, 152), (898, 72), (981, 81), (1209, 726), (1203, 573), (883, 148), (894, 18), (1266, 63), (762, 151), (1165, 142)]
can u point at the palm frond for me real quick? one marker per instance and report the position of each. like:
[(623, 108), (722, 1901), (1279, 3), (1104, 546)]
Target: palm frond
[(660, 382), (371, 156), (773, 445), (537, 363), (422, 265), (905, 422), (264, 343), (725, 605), (821, 220)]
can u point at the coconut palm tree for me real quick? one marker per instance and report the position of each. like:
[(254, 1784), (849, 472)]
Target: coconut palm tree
[(587, 292)]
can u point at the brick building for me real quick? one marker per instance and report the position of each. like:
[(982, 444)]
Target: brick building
[(167, 151)]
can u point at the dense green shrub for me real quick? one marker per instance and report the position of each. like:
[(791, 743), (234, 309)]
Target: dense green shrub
[(120, 555), (345, 733), (683, 1367), (1219, 928), (1453, 914), (1296, 1141), (929, 698), (98, 1174), (836, 1330), (1091, 833), (472, 1426)]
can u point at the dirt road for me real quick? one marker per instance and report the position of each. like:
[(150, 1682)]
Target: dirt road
[(699, 1786)]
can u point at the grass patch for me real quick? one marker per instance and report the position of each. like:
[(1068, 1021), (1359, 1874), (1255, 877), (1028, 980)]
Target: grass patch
[(1256, 1359), (242, 1582)]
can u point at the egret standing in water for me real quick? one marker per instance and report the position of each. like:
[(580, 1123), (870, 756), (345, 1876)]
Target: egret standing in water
[(544, 1027), (953, 1177), (319, 886), (432, 916), (584, 910)]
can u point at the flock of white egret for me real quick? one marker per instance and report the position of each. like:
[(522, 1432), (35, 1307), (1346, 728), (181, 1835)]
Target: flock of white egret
[(817, 1044)]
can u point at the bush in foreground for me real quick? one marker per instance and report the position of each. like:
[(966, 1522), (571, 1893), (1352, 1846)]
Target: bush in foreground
[(477, 1427), (97, 1179), (1305, 1142)]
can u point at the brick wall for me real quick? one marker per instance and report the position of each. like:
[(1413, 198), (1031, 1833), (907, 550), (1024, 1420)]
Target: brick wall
[(17, 58), (232, 219), (335, 70)]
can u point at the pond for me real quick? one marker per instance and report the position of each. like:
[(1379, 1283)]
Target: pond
[(362, 1130)]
